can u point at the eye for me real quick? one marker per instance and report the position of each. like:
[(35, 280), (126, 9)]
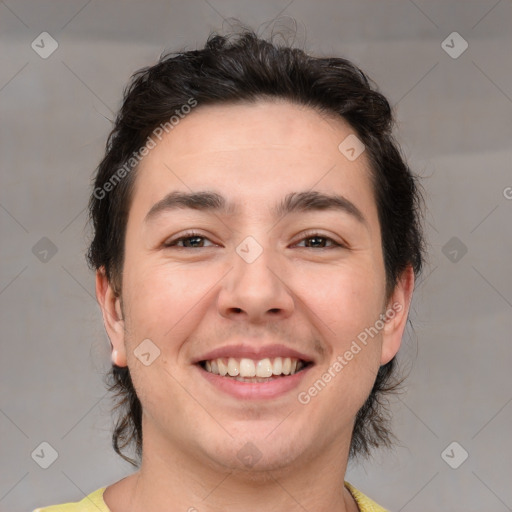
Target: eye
[(194, 240), (319, 241), (191, 240)]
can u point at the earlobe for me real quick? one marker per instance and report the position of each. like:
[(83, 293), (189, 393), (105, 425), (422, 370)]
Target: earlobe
[(118, 359), (110, 304), (397, 313)]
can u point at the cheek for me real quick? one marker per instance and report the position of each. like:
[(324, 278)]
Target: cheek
[(347, 303), (342, 392), (165, 300), (348, 308), (346, 299)]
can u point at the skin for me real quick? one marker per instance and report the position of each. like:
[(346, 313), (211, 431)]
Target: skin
[(190, 300)]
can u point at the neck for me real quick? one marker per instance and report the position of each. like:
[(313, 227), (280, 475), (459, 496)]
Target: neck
[(173, 478)]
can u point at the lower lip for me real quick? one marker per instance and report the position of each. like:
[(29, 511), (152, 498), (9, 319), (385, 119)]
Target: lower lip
[(255, 390)]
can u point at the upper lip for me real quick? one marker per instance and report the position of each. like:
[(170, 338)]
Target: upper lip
[(253, 352)]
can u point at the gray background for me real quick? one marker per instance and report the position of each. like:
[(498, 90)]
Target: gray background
[(455, 126)]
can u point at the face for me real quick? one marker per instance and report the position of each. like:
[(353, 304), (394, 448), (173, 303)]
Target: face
[(270, 283)]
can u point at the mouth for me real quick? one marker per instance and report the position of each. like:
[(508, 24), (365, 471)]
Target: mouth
[(254, 379), (250, 370)]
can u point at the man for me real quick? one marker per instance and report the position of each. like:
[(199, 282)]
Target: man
[(256, 242)]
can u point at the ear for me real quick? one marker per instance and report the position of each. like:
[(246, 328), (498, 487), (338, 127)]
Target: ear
[(397, 311), (110, 305)]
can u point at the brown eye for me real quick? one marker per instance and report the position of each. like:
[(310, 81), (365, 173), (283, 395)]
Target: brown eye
[(189, 241), (318, 241)]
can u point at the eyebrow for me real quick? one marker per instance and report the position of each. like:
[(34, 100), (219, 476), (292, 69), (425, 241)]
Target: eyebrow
[(293, 202)]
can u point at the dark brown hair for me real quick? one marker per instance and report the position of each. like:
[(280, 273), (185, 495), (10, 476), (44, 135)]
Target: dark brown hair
[(243, 67)]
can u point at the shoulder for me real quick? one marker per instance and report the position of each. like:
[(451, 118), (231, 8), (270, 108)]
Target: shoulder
[(91, 503), (364, 503)]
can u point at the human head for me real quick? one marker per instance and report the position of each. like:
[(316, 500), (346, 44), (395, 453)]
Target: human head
[(242, 70)]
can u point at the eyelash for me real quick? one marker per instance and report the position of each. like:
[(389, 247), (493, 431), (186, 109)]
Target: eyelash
[(306, 236)]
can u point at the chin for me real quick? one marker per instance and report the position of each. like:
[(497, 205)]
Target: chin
[(255, 455)]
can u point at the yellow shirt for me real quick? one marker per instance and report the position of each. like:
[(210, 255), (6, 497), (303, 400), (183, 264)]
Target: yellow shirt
[(94, 503)]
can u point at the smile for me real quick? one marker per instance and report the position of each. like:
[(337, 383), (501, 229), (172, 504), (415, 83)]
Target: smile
[(250, 370), (254, 378)]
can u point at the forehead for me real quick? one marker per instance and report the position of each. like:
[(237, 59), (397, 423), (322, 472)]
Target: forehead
[(271, 124), (254, 153)]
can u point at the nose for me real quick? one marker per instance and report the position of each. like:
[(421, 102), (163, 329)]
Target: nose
[(256, 290)]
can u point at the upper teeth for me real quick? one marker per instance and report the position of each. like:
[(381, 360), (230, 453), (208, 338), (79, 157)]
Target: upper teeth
[(250, 368)]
